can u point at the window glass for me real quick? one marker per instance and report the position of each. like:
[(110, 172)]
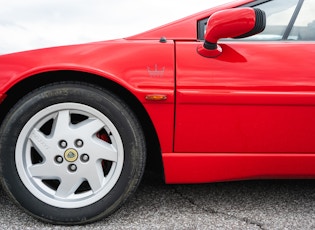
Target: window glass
[(278, 14), (304, 26)]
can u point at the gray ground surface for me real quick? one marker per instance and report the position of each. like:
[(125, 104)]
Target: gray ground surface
[(233, 205)]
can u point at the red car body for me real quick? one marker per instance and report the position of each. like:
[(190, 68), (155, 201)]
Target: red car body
[(248, 113)]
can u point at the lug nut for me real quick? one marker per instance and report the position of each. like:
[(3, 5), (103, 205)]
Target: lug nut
[(78, 143), (85, 158), (63, 144), (59, 159), (72, 168)]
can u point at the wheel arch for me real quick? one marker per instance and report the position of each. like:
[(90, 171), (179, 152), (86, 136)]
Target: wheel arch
[(154, 158)]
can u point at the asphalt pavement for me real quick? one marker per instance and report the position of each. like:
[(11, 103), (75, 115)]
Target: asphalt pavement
[(271, 204)]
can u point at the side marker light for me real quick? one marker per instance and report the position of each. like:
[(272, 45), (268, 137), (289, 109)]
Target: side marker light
[(156, 97)]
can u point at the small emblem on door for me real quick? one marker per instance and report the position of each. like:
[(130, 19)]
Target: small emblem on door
[(156, 72)]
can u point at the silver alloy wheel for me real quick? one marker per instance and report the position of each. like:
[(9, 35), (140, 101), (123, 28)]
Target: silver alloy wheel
[(69, 155)]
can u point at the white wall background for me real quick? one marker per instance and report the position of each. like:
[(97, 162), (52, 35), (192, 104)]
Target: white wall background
[(30, 24)]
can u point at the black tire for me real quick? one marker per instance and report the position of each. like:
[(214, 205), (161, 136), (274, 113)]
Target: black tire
[(33, 148)]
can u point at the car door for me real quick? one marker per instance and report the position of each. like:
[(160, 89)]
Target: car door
[(258, 96)]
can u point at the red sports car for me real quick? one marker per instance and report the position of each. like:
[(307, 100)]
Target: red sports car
[(225, 94)]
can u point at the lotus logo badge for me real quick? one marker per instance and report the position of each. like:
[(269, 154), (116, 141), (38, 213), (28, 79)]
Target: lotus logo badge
[(71, 155)]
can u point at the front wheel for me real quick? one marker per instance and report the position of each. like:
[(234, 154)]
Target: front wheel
[(71, 153)]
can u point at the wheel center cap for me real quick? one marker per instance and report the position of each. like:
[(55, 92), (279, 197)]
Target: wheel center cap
[(71, 155)]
